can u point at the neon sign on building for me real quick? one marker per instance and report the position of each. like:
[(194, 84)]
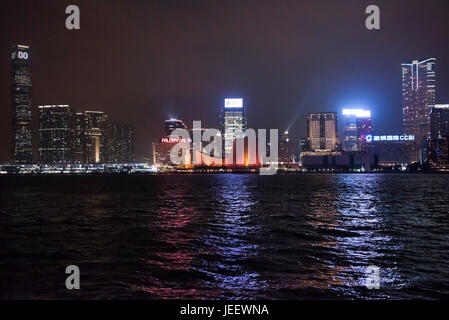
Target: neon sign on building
[(404, 137), (233, 103), (175, 140)]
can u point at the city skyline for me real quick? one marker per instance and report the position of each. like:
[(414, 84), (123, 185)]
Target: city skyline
[(332, 86), (89, 137), (229, 158)]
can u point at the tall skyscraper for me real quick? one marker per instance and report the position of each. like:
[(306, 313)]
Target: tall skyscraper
[(21, 144), (232, 123), (438, 144), (121, 143), (173, 124), (96, 126), (439, 121), (79, 136), (285, 149), (418, 94), (322, 131), (357, 125), (54, 134)]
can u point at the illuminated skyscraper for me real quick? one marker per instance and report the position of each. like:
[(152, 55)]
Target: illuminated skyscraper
[(322, 131), (357, 125), (96, 126), (439, 121), (79, 135), (438, 144), (21, 144), (121, 143), (173, 124), (418, 94), (233, 123), (54, 134), (285, 149)]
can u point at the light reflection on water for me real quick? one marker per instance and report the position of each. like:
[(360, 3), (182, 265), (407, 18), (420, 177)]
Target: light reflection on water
[(234, 220), (226, 236)]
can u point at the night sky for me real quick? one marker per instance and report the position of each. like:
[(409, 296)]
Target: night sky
[(145, 61)]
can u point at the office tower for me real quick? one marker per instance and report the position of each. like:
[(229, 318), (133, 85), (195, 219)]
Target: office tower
[(197, 146), (78, 125), (391, 150), (438, 144), (418, 94), (96, 132), (21, 142), (303, 145), (162, 150), (285, 155), (438, 152), (54, 134), (232, 123), (357, 125), (439, 121), (173, 124), (121, 143), (322, 131)]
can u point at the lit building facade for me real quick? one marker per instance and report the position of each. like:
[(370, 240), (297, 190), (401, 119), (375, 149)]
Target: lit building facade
[(438, 152), (121, 143), (439, 121), (391, 150), (162, 149), (21, 144), (438, 144), (54, 134), (96, 137), (232, 123), (79, 135), (357, 125), (285, 155), (173, 124), (322, 131), (418, 94)]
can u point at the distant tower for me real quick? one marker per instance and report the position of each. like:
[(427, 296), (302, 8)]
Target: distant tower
[(97, 138), (232, 120), (54, 134), (79, 136), (418, 94), (357, 125), (439, 121), (173, 124), (285, 149), (322, 131), (21, 144), (121, 143)]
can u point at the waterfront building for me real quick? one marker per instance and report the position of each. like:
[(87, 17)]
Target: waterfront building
[(54, 134), (391, 150), (173, 124), (439, 121), (418, 94), (322, 131), (437, 145), (285, 155), (438, 152), (96, 137), (162, 149), (357, 125), (232, 124), (21, 142), (121, 143), (79, 136)]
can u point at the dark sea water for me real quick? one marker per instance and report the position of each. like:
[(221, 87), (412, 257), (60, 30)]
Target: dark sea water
[(305, 236)]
